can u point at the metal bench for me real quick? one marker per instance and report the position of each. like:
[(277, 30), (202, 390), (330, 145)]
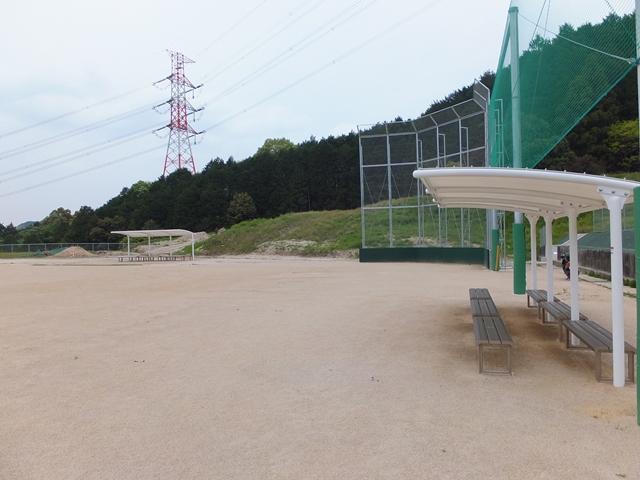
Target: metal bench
[(538, 296), (598, 339), (558, 310), (490, 331)]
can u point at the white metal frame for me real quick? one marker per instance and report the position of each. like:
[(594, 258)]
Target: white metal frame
[(551, 195), (149, 234)]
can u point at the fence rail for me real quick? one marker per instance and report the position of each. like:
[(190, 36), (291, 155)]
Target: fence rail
[(44, 248)]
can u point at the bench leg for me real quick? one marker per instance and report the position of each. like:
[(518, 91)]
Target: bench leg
[(546, 320), (568, 336), (481, 352)]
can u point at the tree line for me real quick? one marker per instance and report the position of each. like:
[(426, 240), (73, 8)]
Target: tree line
[(283, 177)]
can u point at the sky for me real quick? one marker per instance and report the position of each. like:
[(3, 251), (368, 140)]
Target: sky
[(269, 68)]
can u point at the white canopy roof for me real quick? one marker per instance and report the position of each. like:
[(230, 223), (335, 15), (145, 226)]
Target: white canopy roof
[(537, 192), (171, 232)]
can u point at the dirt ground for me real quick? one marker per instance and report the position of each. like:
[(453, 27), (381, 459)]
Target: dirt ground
[(262, 368)]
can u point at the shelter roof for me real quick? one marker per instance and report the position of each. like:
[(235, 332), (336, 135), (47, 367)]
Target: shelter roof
[(171, 232), (537, 192)]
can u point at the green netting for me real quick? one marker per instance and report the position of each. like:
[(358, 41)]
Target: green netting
[(570, 55)]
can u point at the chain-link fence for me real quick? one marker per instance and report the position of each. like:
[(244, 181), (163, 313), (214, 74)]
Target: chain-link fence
[(396, 212), (44, 249)]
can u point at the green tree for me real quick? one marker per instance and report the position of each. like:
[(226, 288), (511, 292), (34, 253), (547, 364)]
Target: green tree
[(241, 208), (55, 225), (623, 143), (150, 225), (98, 235), (83, 221), (10, 234), (274, 146)]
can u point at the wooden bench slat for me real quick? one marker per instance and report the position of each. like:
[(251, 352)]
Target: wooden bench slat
[(478, 331), (479, 293), (597, 337), (492, 332), (537, 295), (489, 329), (587, 336), (501, 328), (600, 340)]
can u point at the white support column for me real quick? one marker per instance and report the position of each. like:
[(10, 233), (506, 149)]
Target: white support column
[(149, 247), (128, 246), (573, 258), (533, 222), (193, 248), (548, 243), (615, 202)]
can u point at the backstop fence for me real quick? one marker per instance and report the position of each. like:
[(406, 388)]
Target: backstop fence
[(396, 211)]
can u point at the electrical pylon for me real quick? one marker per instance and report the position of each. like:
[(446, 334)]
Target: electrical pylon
[(179, 153)]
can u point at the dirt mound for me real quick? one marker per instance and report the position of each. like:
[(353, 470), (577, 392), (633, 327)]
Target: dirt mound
[(74, 252), (285, 247)]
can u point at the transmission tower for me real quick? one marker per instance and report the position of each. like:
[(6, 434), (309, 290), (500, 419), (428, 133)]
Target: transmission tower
[(179, 153)]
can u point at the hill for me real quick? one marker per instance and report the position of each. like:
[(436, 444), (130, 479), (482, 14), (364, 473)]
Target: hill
[(334, 232)]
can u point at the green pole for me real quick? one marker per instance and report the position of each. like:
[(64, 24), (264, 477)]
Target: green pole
[(519, 260), (636, 231), (495, 239)]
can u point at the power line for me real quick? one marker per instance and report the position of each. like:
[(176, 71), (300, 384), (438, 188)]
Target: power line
[(72, 112), (81, 172), (71, 133), (233, 26), (348, 53), (296, 48), (81, 152), (243, 54), (315, 72)]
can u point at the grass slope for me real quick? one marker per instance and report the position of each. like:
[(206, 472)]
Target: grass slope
[(323, 233)]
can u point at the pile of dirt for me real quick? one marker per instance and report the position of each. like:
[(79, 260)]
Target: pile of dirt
[(74, 252), (285, 247)]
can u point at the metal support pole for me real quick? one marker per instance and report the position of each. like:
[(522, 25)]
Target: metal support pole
[(389, 190), (548, 244), (149, 247), (419, 193), (573, 258), (615, 202), (128, 246), (636, 227), (193, 247), (519, 260), (636, 224), (514, 42), (533, 221), (460, 161), (362, 210)]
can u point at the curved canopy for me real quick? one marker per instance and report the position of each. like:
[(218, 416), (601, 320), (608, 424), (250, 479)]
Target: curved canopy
[(535, 192), (171, 232)]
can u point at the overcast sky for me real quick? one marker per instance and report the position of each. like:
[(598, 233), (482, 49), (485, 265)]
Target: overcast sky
[(65, 55)]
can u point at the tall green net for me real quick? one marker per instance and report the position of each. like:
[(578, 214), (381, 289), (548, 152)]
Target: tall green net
[(558, 60)]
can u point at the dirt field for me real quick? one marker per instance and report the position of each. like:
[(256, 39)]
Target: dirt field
[(292, 369)]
